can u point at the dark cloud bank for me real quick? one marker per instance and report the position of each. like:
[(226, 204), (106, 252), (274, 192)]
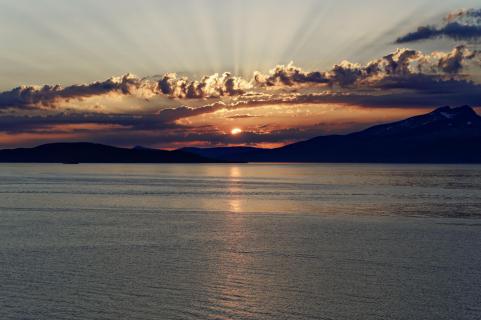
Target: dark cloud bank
[(459, 25)]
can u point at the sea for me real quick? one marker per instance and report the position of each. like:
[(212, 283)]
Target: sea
[(240, 241)]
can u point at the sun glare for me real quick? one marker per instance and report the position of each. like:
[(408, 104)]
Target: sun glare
[(236, 131)]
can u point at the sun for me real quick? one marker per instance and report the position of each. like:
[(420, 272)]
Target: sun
[(236, 131)]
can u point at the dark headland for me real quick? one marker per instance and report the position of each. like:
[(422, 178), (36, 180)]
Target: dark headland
[(84, 152)]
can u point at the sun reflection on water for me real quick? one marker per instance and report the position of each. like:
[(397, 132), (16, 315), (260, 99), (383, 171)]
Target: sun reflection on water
[(235, 202)]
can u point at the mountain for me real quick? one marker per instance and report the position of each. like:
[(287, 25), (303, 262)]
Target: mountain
[(84, 152), (446, 135)]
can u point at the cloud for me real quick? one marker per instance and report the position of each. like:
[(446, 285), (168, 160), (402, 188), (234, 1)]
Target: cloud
[(407, 62), (345, 73), (451, 30), (213, 86), (47, 96), (288, 75), (400, 63), (242, 116), (204, 136), (458, 25), (467, 16), (454, 61), (405, 78), (163, 129), (40, 120), (414, 91)]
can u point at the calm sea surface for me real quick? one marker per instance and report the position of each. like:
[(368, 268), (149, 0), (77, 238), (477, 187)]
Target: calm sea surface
[(254, 241)]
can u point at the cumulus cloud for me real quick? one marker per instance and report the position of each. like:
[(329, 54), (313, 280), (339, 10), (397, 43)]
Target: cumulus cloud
[(170, 85), (345, 73), (213, 86), (28, 96), (406, 62), (288, 75), (399, 64), (454, 61), (458, 25)]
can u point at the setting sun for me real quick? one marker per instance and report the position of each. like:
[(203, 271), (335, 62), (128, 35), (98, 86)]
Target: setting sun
[(236, 131)]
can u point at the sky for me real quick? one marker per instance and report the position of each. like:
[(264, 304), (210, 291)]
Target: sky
[(168, 74)]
